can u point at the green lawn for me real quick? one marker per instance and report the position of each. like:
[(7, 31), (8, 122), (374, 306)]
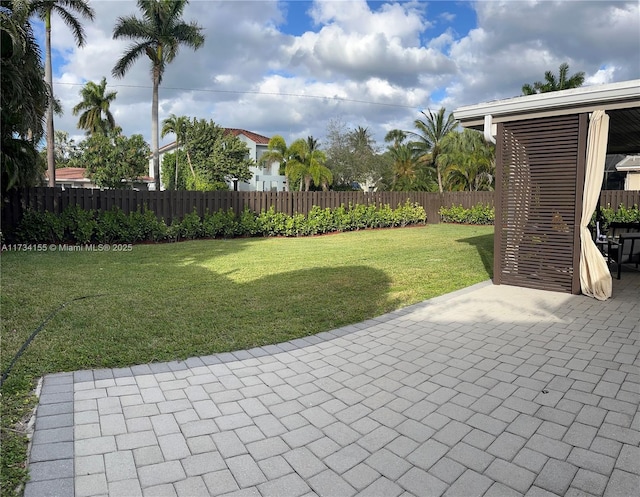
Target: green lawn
[(173, 301)]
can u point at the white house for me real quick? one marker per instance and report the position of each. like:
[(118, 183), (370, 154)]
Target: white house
[(76, 177), (264, 178), (630, 165)]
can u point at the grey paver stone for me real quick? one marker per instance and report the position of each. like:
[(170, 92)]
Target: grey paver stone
[(290, 485), (590, 460), (329, 484), (228, 444), (159, 474), (200, 464), (144, 456), (51, 470), (220, 482), (52, 451), (511, 475), (375, 439), (323, 447), (388, 464), (50, 488), (589, 481), (346, 458), (580, 435), (487, 423), (548, 446), (427, 454), (90, 485), (268, 447), (302, 436), (275, 467), (622, 483), (402, 446), (556, 476), (361, 476), (245, 471), (619, 433), (530, 459), (192, 486), (470, 484), (629, 459), (304, 462), (382, 486), (130, 488), (452, 433), (341, 433), (506, 446), (470, 457), (55, 421), (479, 439), (120, 466), (447, 470)]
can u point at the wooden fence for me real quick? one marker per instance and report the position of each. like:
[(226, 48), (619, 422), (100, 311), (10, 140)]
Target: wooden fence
[(170, 205)]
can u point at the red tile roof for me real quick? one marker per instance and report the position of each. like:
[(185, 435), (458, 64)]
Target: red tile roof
[(70, 173), (263, 140)]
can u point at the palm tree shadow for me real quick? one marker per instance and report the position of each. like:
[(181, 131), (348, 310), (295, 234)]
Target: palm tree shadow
[(484, 246)]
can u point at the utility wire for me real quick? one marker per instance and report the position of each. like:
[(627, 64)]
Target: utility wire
[(256, 92)]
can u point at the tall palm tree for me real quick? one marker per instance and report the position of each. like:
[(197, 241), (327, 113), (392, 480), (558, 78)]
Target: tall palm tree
[(431, 131), (468, 162), (277, 151), (44, 9), (23, 100), (553, 83), (95, 103), (397, 136), (178, 126), (307, 164), (158, 35)]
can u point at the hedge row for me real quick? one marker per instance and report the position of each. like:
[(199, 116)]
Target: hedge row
[(76, 225), (478, 214)]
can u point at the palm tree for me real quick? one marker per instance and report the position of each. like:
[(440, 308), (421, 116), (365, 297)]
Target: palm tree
[(178, 126), (158, 35), (307, 164), (65, 9), (95, 103), (468, 162), (277, 151), (24, 98), (551, 83), (397, 136), (431, 131)]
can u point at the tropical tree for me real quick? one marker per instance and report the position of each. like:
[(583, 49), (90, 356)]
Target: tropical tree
[(178, 126), (552, 83), (468, 162), (112, 159), (395, 136), (95, 117), (23, 100), (44, 9), (307, 165), (277, 151), (431, 131), (158, 35)]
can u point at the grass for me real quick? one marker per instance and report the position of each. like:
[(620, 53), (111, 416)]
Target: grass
[(173, 301)]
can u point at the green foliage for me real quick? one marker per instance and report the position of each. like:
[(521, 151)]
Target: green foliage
[(478, 214), (76, 225), (621, 215), (113, 160)]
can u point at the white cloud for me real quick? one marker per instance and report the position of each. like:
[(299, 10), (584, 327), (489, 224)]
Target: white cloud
[(253, 73)]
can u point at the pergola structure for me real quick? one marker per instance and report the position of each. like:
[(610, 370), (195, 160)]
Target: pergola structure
[(546, 182)]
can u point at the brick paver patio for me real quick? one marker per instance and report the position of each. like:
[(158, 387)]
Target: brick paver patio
[(490, 391)]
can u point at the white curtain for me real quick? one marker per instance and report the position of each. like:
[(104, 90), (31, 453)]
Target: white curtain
[(595, 278)]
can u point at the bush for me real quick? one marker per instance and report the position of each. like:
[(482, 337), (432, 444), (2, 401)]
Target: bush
[(114, 226), (478, 214)]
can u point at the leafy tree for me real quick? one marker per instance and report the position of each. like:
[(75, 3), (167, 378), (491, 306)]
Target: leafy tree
[(44, 9), (431, 131), (94, 105), (158, 35), (66, 150), (352, 155), (409, 172), (217, 157), (113, 160), (23, 100), (468, 161), (552, 83)]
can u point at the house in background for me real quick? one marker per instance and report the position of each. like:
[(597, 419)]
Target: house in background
[(631, 166), (264, 179), (76, 177)]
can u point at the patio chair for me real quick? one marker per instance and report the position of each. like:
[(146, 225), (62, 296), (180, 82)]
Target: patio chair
[(625, 250)]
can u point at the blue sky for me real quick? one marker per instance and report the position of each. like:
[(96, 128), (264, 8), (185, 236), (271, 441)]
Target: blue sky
[(292, 68)]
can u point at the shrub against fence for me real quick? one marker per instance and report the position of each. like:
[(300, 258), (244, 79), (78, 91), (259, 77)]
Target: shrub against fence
[(174, 205)]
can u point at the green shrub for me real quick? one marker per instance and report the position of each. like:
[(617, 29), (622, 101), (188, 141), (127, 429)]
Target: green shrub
[(478, 214), (113, 226), (40, 227), (80, 225), (191, 226), (272, 223)]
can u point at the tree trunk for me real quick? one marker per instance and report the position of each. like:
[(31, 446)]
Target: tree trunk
[(155, 136), (48, 75)]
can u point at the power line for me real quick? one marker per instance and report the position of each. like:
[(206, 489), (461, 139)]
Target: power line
[(256, 92)]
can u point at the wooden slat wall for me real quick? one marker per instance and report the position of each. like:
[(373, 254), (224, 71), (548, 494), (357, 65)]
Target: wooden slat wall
[(538, 168)]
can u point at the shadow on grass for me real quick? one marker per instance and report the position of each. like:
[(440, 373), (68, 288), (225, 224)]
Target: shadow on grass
[(202, 312), (484, 245)]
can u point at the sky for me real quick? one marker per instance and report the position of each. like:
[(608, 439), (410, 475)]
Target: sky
[(292, 68)]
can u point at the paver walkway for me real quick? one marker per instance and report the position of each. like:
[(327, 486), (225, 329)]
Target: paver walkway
[(491, 391)]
